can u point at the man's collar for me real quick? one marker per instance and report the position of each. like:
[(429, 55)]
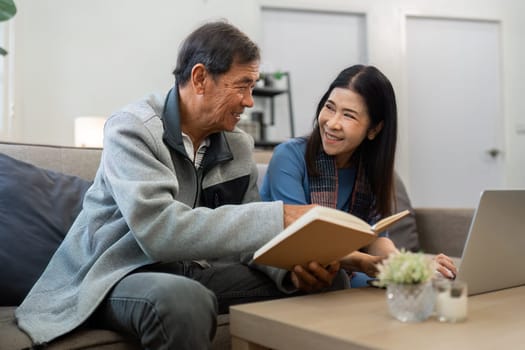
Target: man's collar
[(219, 150), (171, 120)]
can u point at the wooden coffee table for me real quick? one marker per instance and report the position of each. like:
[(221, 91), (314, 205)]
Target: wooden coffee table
[(359, 319)]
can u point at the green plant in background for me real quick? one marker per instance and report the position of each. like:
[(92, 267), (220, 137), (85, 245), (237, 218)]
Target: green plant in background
[(7, 11), (278, 75), (405, 267), (270, 78)]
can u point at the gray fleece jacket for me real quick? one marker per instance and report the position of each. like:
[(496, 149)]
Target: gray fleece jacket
[(148, 204)]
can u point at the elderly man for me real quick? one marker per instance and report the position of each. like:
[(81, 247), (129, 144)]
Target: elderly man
[(172, 207)]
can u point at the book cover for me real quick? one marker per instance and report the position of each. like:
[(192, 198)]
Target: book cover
[(322, 234)]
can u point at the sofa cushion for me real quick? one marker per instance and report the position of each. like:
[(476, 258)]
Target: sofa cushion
[(11, 337), (37, 207), (404, 233), (83, 338)]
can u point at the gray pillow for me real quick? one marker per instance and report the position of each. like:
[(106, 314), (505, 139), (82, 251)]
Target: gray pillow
[(404, 233), (37, 207)]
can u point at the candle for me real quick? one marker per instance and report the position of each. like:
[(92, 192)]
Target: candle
[(451, 301)]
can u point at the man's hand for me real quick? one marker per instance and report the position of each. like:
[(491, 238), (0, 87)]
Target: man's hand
[(293, 212), (314, 277)]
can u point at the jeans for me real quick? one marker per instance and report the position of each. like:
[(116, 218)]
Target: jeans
[(174, 305), (163, 311), (360, 280)]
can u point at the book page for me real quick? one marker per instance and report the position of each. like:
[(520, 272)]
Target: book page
[(384, 223), (344, 218)]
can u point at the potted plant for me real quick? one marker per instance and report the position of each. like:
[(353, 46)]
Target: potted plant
[(407, 277), (7, 10), (269, 79)]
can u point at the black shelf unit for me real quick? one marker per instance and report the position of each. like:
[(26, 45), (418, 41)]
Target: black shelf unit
[(270, 92), (267, 91)]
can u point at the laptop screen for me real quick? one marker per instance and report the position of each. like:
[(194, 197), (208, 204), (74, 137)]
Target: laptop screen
[(493, 256)]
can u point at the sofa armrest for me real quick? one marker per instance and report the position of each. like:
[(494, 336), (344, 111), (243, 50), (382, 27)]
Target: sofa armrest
[(443, 230)]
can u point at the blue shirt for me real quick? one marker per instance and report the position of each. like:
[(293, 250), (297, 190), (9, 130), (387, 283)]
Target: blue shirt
[(286, 178)]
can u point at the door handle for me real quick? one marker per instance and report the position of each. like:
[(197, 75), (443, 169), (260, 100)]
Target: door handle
[(493, 152)]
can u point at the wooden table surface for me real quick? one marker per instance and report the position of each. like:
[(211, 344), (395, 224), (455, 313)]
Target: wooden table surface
[(359, 319)]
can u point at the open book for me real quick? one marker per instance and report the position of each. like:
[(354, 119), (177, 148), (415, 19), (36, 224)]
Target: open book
[(322, 234)]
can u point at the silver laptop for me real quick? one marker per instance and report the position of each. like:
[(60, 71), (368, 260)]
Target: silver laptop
[(494, 254)]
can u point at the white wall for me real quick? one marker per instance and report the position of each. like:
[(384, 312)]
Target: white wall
[(79, 57), (312, 35)]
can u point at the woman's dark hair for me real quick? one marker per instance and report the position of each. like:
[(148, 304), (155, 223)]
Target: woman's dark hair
[(217, 45), (377, 155)]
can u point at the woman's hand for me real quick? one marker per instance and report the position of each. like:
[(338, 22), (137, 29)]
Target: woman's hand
[(368, 264), (446, 266), (314, 277), (361, 262)]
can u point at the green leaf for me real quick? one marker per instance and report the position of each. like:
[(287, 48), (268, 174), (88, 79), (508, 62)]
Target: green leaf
[(7, 9), (278, 75), (3, 52)]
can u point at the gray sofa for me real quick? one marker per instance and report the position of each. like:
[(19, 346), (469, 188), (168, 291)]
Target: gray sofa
[(434, 230)]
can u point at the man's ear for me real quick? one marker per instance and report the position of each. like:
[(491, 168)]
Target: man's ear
[(372, 133), (198, 78)]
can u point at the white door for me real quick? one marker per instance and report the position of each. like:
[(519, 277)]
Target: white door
[(313, 47), (454, 110)]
